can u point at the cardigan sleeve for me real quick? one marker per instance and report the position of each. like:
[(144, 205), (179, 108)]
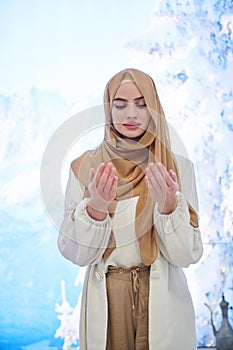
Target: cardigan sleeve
[(81, 239), (180, 242)]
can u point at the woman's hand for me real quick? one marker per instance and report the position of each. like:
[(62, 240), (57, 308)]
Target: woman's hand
[(102, 188), (162, 185)]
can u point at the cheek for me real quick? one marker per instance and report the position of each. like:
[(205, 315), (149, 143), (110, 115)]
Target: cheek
[(117, 116), (147, 119)]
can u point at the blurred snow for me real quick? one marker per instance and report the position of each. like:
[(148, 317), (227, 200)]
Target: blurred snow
[(188, 50)]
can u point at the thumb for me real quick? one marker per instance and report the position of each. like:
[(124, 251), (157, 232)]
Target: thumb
[(91, 174)]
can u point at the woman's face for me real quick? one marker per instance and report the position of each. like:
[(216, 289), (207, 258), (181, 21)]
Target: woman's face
[(130, 115)]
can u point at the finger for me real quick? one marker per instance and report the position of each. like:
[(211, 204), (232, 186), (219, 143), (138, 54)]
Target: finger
[(151, 183), (99, 172), (170, 178), (104, 178), (150, 187), (166, 175), (173, 175), (155, 177), (92, 181), (113, 188), (109, 179)]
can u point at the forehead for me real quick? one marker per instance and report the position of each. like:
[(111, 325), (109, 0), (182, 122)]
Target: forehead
[(128, 91)]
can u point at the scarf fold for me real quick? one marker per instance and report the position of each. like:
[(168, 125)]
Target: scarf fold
[(130, 159)]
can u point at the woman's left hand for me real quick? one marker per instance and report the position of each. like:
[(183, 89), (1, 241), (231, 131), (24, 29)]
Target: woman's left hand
[(162, 185)]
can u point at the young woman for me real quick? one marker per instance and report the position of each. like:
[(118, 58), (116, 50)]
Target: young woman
[(131, 217)]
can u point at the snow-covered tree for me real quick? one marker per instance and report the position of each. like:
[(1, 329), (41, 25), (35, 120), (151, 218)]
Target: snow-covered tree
[(188, 49)]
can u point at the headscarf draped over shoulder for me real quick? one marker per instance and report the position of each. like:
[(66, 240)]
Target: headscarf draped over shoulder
[(131, 158)]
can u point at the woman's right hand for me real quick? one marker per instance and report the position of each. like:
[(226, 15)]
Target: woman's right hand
[(102, 188)]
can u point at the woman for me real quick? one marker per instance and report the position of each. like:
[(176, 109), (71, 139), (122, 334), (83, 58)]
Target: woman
[(131, 217)]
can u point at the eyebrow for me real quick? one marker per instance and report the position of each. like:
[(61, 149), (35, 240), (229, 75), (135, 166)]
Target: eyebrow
[(124, 100)]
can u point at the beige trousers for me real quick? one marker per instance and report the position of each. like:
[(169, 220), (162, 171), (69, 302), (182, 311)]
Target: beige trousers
[(128, 295)]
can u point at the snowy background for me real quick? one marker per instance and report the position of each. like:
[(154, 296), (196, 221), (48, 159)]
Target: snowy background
[(56, 57)]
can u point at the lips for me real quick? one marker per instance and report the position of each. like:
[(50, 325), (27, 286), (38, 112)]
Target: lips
[(132, 126)]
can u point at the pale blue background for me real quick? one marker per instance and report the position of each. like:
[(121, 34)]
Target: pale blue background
[(55, 60)]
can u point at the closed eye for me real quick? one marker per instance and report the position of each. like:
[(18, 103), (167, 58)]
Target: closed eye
[(140, 102), (121, 103), (139, 105), (119, 107)]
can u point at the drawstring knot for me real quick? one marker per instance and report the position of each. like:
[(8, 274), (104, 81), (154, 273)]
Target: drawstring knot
[(138, 304)]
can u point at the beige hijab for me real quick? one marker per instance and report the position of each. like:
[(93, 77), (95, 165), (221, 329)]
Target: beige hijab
[(131, 158)]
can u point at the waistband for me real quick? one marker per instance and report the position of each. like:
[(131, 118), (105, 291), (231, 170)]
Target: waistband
[(121, 269)]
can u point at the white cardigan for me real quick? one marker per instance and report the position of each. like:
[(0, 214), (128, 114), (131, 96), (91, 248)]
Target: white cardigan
[(84, 240)]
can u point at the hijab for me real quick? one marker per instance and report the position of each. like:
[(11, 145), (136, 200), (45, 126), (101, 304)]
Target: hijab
[(130, 158)]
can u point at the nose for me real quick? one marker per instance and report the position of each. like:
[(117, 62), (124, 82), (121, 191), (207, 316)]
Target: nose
[(131, 111)]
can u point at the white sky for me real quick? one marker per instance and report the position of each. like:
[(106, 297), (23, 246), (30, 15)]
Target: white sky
[(67, 46)]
